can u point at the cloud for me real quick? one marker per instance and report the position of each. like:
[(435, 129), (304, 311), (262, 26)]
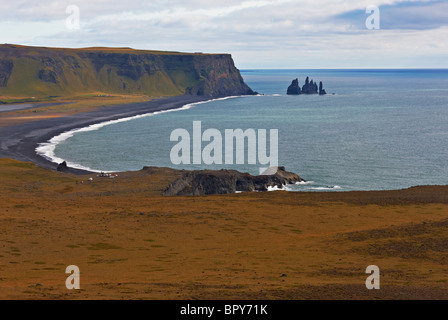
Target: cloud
[(415, 15), (259, 33)]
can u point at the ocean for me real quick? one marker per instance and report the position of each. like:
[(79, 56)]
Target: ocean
[(374, 130)]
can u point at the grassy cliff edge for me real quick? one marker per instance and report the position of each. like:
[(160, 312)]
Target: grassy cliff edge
[(41, 72)]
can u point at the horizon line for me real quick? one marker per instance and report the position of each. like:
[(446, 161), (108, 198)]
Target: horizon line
[(382, 68)]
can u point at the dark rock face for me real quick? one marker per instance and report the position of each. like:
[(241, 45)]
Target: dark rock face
[(5, 72), (216, 75), (48, 76), (310, 87), (126, 65), (294, 88), (212, 75), (321, 90), (62, 167), (206, 182)]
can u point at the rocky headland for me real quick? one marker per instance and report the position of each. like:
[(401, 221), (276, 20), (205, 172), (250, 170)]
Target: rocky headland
[(206, 182), (42, 72)]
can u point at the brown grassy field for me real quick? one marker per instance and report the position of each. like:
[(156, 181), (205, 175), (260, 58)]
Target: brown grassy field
[(132, 243)]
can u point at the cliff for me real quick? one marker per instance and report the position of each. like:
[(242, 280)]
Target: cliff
[(44, 72)]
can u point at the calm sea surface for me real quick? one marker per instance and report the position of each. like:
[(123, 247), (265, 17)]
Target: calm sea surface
[(381, 129)]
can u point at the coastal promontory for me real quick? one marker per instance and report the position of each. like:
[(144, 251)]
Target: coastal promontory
[(205, 182), (43, 72)]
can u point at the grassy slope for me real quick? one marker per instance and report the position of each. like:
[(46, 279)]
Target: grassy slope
[(132, 243), (107, 70)]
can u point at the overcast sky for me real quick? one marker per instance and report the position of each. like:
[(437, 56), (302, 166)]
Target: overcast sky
[(258, 33)]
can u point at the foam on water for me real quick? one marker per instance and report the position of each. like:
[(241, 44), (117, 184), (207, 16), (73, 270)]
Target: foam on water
[(304, 183), (283, 188), (275, 188), (327, 188)]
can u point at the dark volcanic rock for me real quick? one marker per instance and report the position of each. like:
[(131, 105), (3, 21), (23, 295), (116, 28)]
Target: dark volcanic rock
[(217, 76), (62, 167), (205, 182), (5, 72), (294, 87), (48, 76), (310, 87), (321, 90)]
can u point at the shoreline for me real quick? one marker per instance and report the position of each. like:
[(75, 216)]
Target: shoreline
[(46, 149), (20, 141)]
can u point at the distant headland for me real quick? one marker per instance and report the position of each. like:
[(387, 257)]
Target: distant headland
[(41, 72), (310, 87)]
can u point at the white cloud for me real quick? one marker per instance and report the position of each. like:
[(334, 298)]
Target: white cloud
[(263, 33)]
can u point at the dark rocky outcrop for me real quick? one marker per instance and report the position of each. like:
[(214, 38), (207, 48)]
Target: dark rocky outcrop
[(321, 90), (62, 167), (5, 72), (205, 182), (294, 88), (216, 75), (47, 75), (310, 87)]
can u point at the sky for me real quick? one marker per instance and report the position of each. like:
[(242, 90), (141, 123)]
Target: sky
[(260, 34)]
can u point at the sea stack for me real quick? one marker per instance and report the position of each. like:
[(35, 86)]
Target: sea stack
[(310, 87), (294, 87), (321, 90)]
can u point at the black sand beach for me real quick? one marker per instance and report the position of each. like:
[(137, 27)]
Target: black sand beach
[(26, 106), (20, 141)]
